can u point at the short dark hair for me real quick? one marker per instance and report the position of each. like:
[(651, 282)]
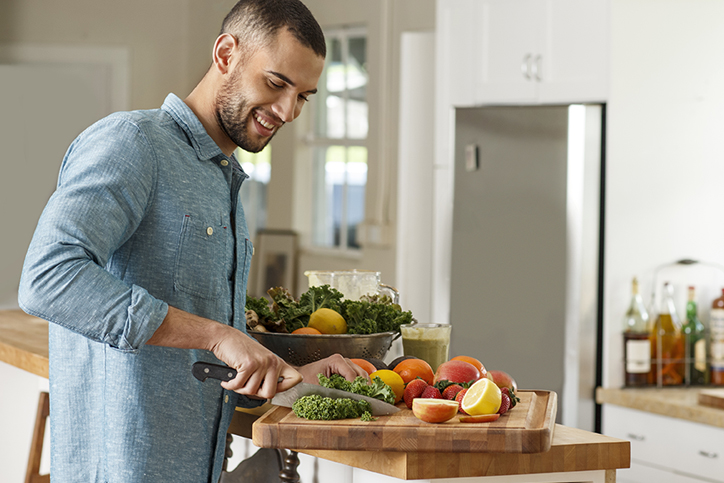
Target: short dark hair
[(253, 21)]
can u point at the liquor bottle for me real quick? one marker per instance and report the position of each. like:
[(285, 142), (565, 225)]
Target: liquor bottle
[(716, 328), (695, 340), (637, 345), (667, 345)]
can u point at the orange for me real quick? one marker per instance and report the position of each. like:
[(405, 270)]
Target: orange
[(366, 365), (393, 380), (473, 361), (410, 369), (306, 330)]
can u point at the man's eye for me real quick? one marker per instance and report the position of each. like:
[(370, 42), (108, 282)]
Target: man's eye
[(274, 84), (304, 98)]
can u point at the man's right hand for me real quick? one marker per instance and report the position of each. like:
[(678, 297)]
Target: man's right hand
[(258, 369)]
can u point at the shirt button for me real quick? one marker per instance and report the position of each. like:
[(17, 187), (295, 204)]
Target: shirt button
[(226, 398), (224, 162), (209, 231)]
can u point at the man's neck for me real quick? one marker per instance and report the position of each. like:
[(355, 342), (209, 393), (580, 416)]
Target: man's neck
[(201, 102)]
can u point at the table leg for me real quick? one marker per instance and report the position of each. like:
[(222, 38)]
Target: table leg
[(32, 474), (289, 472)]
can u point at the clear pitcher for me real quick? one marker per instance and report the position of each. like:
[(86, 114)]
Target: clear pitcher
[(352, 283)]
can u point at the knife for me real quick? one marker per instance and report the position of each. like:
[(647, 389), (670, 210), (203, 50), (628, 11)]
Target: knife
[(205, 370)]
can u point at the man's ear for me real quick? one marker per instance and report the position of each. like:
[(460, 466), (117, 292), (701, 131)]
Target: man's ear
[(223, 50)]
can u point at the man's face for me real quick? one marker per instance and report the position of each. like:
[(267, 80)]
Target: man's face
[(267, 90)]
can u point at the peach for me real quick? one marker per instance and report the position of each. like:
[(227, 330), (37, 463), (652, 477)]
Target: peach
[(434, 410), (456, 371), (503, 379)]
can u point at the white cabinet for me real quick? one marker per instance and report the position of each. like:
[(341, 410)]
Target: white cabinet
[(666, 449), (541, 51), (524, 51)]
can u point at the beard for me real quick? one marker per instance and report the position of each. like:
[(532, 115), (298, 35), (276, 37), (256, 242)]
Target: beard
[(234, 114)]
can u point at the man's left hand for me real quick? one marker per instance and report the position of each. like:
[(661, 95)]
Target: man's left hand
[(334, 364)]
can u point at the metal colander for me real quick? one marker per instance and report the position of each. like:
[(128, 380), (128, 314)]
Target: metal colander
[(301, 349)]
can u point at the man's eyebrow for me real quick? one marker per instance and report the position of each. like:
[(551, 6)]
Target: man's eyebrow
[(289, 81)]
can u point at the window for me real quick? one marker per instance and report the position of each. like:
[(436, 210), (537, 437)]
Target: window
[(339, 141), (254, 189)]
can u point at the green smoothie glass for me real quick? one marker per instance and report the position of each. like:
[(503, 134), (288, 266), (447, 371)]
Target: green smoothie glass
[(429, 342)]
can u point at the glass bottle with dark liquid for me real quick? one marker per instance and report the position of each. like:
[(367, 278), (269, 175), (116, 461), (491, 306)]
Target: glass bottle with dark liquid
[(636, 341), (694, 334)]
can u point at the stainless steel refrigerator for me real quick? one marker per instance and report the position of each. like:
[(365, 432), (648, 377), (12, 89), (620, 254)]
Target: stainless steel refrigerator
[(525, 247)]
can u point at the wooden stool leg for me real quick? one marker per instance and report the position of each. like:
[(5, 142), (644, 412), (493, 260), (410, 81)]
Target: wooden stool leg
[(32, 475), (289, 472)]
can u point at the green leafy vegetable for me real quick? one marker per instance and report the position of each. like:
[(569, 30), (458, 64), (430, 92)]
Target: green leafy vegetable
[(324, 408), (377, 389), (374, 314), (260, 306), (370, 315), (367, 416)]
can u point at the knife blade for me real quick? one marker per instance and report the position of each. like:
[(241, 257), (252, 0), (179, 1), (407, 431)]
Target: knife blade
[(205, 370), (287, 398)]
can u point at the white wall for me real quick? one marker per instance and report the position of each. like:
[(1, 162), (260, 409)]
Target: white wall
[(665, 159), (34, 138)]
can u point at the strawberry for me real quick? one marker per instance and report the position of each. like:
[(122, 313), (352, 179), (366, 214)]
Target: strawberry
[(504, 403), (451, 391), (513, 398), (431, 392), (413, 389), (459, 398)]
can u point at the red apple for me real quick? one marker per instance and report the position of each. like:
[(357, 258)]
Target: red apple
[(480, 418), (503, 379), (456, 371), (434, 410)]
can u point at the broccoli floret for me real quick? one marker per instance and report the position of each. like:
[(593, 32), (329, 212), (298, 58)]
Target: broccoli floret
[(324, 408), (378, 389)]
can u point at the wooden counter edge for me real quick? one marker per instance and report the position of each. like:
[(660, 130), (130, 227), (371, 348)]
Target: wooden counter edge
[(27, 361)]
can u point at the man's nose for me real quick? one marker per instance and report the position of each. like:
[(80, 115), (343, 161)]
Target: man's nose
[(285, 106)]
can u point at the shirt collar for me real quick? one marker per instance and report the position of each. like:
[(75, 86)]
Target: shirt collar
[(202, 143)]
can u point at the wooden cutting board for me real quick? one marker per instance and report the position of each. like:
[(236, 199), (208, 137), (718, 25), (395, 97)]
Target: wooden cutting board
[(712, 397), (527, 428)]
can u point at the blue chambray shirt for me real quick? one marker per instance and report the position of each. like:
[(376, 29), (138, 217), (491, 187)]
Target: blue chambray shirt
[(146, 213)]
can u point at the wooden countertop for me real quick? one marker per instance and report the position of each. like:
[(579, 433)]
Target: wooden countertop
[(675, 402), (24, 341)]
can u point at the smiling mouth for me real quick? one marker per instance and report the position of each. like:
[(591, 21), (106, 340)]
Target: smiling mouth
[(264, 123)]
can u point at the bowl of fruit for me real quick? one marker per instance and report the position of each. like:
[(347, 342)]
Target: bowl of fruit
[(321, 323)]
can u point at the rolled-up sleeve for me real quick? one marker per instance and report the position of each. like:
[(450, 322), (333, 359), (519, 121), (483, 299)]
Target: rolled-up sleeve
[(106, 183)]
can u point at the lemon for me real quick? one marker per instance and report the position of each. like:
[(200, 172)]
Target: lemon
[(327, 321), (483, 397), (392, 379)]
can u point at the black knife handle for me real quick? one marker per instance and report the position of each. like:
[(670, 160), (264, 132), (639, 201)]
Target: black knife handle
[(205, 370)]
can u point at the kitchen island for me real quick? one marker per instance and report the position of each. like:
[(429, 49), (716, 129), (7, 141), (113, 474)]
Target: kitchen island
[(575, 455)]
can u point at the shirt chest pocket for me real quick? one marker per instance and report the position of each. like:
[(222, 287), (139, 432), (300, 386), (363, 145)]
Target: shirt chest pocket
[(202, 260)]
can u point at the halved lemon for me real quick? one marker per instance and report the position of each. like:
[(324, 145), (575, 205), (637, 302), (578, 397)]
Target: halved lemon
[(483, 397)]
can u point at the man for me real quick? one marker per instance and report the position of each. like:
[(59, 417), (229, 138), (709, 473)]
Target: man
[(141, 257)]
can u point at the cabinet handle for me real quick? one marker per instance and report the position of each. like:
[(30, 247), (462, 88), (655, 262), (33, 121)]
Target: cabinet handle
[(707, 454), (537, 67), (635, 437), (526, 66)]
